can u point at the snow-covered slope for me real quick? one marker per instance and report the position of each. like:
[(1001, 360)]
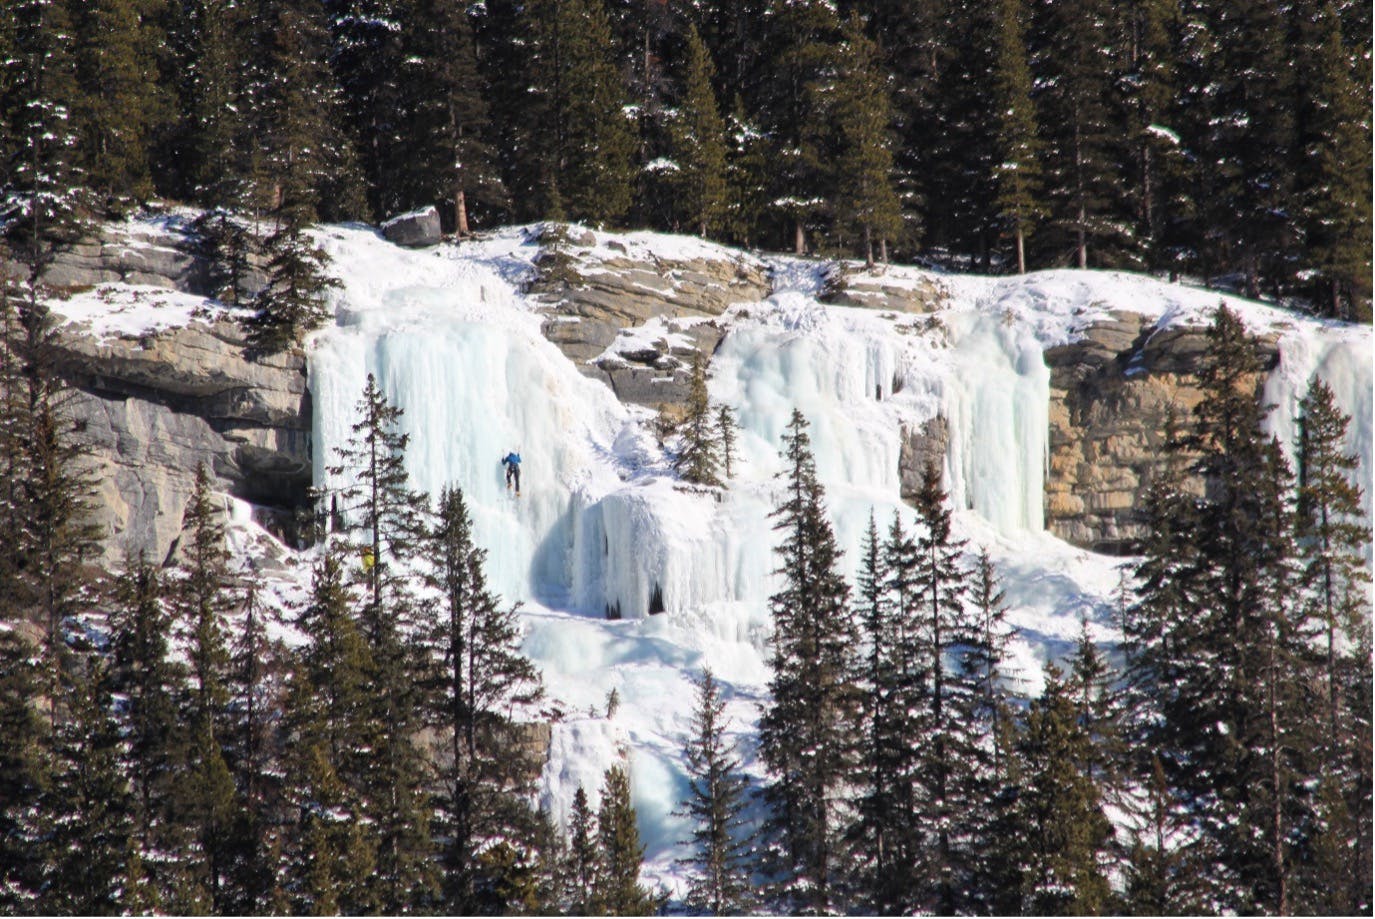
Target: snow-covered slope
[(603, 526)]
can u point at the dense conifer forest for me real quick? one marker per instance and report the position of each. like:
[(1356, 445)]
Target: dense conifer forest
[(161, 752), (1228, 140)]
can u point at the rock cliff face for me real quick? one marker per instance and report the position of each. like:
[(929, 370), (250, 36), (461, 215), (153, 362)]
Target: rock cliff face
[(1111, 395), (153, 409), (625, 312), (595, 301)]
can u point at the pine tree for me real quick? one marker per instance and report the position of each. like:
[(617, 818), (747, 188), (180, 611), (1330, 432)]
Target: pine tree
[(618, 891), (90, 832), (747, 178), (254, 754), (866, 201), (584, 866), (1212, 644), (144, 674), (479, 675), (447, 116), (333, 863), (1082, 187), (203, 601), (806, 731), (367, 58), (1058, 822), (1332, 149), (585, 140), (726, 427), (24, 772), (720, 859), (121, 103), (391, 521), (1017, 172), (697, 143), (698, 458), (41, 141), (1331, 538), (984, 660), (1090, 683)]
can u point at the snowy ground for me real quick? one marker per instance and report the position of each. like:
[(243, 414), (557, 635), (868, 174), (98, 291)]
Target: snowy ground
[(602, 524)]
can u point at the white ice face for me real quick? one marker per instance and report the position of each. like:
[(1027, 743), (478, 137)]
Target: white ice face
[(603, 525)]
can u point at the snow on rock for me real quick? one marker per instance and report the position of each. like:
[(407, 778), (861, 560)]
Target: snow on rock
[(603, 527)]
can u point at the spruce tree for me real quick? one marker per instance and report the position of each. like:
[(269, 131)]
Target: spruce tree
[(1058, 823), (584, 865), (698, 458), (697, 143), (806, 738), (24, 772), (1332, 151), (333, 861), (1017, 170), (366, 57), (1083, 190), (144, 674), (865, 200), (618, 891), (584, 140), (478, 676), (41, 142), (726, 428), (121, 103), (203, 601), (721, 851), (388, 521), (446, 115)]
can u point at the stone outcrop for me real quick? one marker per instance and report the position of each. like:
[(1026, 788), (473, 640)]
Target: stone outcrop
[(157, 255), (894, 289), (1111, 394), (919, 448), (154, 408), (415, 230), (592, 297)]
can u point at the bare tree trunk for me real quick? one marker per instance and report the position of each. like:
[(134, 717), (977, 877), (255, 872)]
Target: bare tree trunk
[(799, 238), (1021, 251), (460, 210), (883, 249), (1083, 238), (868, 246)]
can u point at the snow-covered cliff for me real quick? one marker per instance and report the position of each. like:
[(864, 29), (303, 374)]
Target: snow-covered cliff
[(484, 355)]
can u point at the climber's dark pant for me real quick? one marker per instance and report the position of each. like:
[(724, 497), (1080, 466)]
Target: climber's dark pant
[(512, 472)]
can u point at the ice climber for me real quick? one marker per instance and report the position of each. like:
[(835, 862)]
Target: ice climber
[(512, 463)]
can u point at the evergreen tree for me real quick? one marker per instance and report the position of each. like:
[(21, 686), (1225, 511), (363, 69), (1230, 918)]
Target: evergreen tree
[(747, 178), (479, 676), (984, 660), (1059, 828), (801, 39), (698, 459), (1331, 536), (333, 864), (806, 731), (1333, 153), (41, 141), (866, 201), (121, 103), (152, 684), (618, 891), (254, 754), (584, 139), (720, 859), (447, 116), (203, 601), (1090, 683), (584, 866), (1214, 638), (391, 521), (24, 772), (726, 428), (697, 143), (1082, 188), (1017, 172), (90, 834), (293, 302), (949, 768)]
